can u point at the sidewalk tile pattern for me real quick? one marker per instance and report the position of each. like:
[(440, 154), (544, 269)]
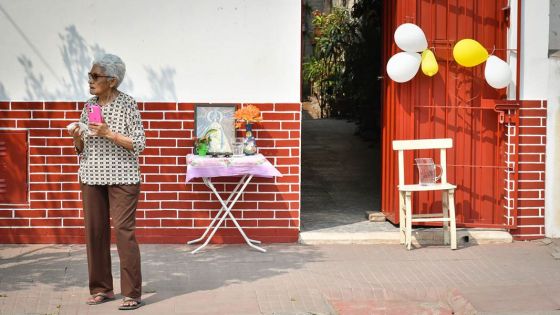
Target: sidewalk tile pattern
[(521, 277)]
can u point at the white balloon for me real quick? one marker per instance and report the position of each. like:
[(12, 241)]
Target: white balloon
[(497, 72), (403, 66), (409, 37)]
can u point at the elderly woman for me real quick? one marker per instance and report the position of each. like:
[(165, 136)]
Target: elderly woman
[(110, 183)]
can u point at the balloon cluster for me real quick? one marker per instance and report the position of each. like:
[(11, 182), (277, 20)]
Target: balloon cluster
[(470, 53), (403, 66)]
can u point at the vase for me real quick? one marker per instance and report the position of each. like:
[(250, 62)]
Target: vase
[(202, 149), (249, 142)]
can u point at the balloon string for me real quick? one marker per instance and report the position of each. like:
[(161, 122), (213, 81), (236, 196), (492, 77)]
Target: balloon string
[(451, 48)]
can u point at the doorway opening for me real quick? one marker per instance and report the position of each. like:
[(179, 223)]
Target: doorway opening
[(341, 122)]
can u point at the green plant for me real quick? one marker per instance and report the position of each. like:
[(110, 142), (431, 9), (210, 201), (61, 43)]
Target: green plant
[(346, 64), (325, 69), (205, 139)]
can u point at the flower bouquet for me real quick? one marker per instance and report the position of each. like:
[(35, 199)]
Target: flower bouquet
[(247, 116)]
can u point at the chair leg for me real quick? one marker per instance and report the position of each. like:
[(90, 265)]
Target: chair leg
[(402, 217), (408, 216), (452, 222), (445, 223)]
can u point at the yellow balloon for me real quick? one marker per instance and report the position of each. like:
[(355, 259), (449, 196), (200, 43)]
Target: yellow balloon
[(469, 53), (429, 63)]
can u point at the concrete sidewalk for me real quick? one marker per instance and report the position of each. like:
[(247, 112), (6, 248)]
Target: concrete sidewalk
[(515, 278)]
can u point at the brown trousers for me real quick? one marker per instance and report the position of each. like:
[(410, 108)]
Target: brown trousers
[(118, 201)]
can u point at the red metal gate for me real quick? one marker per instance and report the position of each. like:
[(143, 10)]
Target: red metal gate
[(455, 103)]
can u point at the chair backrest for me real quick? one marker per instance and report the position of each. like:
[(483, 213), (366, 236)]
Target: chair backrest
[(423, 144)]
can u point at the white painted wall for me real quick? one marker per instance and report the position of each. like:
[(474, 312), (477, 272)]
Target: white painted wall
[(175, 50), (540, 79)]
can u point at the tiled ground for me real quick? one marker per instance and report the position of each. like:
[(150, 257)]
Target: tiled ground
[(521, 277), (340, 178)]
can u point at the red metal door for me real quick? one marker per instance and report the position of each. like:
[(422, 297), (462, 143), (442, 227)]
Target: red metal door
[(455, 103)]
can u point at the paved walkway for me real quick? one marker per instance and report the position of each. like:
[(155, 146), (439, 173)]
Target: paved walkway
[(340, 178), (516, 278)]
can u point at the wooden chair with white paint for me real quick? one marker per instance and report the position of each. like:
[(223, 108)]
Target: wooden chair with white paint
[(447, 216)]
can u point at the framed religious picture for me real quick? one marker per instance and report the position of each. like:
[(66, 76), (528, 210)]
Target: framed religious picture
[(216, 122)]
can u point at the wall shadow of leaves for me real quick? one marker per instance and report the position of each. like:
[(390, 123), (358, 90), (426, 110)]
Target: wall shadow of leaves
[(77, 55)]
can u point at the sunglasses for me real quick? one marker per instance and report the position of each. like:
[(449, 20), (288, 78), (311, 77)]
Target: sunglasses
[(95, 76)]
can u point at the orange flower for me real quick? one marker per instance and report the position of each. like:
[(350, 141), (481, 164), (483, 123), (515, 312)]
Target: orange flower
[(247, 114)]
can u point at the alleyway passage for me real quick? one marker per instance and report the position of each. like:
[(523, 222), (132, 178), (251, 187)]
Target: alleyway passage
[(340, 175)]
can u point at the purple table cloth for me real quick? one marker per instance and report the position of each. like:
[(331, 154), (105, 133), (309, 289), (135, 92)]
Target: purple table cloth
[(206, 166)]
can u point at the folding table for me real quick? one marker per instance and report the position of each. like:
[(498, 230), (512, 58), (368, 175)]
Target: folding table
[(246, 167)]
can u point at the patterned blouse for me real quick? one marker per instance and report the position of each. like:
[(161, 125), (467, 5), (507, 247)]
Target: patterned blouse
[(104, 163)]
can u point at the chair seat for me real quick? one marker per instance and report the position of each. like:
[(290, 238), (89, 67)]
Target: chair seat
[(418, 187)]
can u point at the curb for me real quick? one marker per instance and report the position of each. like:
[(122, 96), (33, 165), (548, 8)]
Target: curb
[(420, 236)]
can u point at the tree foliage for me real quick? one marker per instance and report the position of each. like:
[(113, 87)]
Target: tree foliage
[(346, 63), (325, 68)]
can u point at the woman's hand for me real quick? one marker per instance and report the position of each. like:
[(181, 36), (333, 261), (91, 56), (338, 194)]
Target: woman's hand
[(100, 130), (75, 133), (78, 144)]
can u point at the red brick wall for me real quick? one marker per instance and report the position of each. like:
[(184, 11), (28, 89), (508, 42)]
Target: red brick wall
[(170, 210), (532, 156)]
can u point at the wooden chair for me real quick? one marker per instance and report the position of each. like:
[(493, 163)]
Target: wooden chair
[(405, 191)]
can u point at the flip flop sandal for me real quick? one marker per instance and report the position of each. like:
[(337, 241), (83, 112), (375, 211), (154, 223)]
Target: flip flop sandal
[(104, 298), (130, 304)]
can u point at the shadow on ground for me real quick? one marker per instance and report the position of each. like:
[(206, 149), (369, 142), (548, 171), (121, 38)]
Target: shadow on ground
[(59, 272)]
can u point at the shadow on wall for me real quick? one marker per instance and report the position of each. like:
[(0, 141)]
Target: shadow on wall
[(3, 93), (162, 83), (77, 55)]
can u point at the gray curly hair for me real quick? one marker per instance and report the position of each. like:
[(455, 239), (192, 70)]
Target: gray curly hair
[(112, 65)]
